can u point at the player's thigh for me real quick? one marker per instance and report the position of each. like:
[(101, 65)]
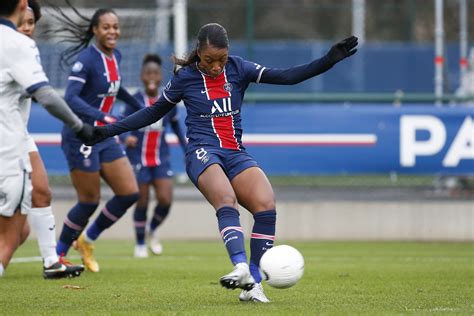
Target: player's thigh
[(15, 192), (253, 190), (216, 188), (87, 185), (119, 176), (41, 196), (163, 190)]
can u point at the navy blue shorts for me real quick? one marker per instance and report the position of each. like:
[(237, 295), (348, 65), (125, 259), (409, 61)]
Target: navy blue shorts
[(87, 158), (146, 175), (232, 162)]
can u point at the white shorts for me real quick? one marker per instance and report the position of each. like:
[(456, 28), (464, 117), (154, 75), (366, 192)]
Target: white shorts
[(15, 193), (31, 144)]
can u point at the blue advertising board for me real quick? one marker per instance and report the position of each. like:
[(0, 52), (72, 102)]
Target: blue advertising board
[(310, 139)]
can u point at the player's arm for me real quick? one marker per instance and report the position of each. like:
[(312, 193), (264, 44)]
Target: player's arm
[(174, 121), (128, 99), (56, 106), (137, 120), (78, 105), (297, 74)]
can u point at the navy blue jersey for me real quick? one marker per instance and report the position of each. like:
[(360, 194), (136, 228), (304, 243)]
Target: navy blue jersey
[(151, 149), (213, 105)]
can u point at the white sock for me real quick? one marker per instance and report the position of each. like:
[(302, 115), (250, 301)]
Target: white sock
[(1, 269), (87, 238), (42, 221)]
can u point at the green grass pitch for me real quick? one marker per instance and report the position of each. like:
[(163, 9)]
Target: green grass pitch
[(340, 278)]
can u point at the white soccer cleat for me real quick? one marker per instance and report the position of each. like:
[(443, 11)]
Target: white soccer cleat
[(240, 278), (140, 251), (155, 245), (254, 295)]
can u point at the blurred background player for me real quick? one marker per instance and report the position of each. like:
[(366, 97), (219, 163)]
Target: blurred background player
[(41, 215), (93, 85), (148, 151), (20, 70), (212, 85)]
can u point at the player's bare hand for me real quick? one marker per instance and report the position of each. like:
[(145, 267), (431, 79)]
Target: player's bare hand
[(131, 141), (343, 49)]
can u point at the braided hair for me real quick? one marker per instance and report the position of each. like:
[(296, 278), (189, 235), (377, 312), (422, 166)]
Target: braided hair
[(79, 34)]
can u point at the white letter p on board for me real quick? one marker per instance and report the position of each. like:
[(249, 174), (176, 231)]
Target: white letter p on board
[(410, 147)]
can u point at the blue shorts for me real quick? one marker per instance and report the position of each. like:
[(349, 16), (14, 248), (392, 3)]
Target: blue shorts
[(232, 162), (146, 175), (87, 158)]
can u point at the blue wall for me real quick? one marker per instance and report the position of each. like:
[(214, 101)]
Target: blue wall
[(380, 152)]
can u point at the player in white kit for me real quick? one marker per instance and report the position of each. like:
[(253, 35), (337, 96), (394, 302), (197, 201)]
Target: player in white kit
[(20, 71)]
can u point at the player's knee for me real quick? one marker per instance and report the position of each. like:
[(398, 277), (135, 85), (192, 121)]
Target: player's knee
[(226, 200), (41, 196), (165, 201), (89, 197)]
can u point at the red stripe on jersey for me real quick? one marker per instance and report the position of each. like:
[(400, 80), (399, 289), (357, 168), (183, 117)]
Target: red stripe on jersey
[(112, 69), (215, 87), (223, 126), (150, 153), (105, 107)]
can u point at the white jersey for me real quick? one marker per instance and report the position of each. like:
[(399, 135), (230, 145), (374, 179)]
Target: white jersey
[(20, 71)]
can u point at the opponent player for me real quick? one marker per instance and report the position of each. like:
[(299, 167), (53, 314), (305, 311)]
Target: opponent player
[(20, 70), (212, 84), (41, 214), (93, 86), (148, 151)]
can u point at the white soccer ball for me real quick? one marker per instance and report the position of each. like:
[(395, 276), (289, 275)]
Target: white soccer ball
[(282, 266)]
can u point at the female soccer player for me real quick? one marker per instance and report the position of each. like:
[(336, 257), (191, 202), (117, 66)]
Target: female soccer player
[(41, 214), (148, 152), (93, 86), (20, 71), (212, 84)]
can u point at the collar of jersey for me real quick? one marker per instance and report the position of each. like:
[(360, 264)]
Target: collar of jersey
[(8, 23), (197, 67), (102, 53)]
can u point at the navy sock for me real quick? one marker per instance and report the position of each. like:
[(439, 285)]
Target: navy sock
[(139, 219), (161, 212), (232, 233), (263, 236), (75, 222), (113, 210)]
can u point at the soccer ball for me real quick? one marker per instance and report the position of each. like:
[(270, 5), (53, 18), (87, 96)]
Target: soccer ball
[(282, 266)]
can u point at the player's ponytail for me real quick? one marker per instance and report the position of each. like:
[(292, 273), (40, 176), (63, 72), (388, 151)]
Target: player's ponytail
[(211, 34), (79, 34)]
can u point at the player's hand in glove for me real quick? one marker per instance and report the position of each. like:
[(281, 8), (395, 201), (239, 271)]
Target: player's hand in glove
[(343, 49), (99, 134), (86, 132)]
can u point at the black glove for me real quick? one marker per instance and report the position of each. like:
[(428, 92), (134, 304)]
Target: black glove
[(343, 49), (98, 135), (86, 132)]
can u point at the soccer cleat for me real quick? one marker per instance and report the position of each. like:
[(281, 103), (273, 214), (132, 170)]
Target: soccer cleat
[(140, 251), (155, 245), (254, 295), (86, 250), (240, 278), (61, 270)]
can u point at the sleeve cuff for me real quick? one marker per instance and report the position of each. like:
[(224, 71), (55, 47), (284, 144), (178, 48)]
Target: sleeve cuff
[(36, 86)]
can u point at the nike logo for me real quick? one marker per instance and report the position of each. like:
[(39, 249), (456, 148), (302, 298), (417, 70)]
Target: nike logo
[(52, 228), (269, 244), (204, 91)]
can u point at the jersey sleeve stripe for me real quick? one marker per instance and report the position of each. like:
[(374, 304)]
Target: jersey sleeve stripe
[(36, 86), (166, 97), (260, 75), (76, 79)]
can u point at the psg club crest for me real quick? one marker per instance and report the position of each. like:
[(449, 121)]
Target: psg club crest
[(228, 86)]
